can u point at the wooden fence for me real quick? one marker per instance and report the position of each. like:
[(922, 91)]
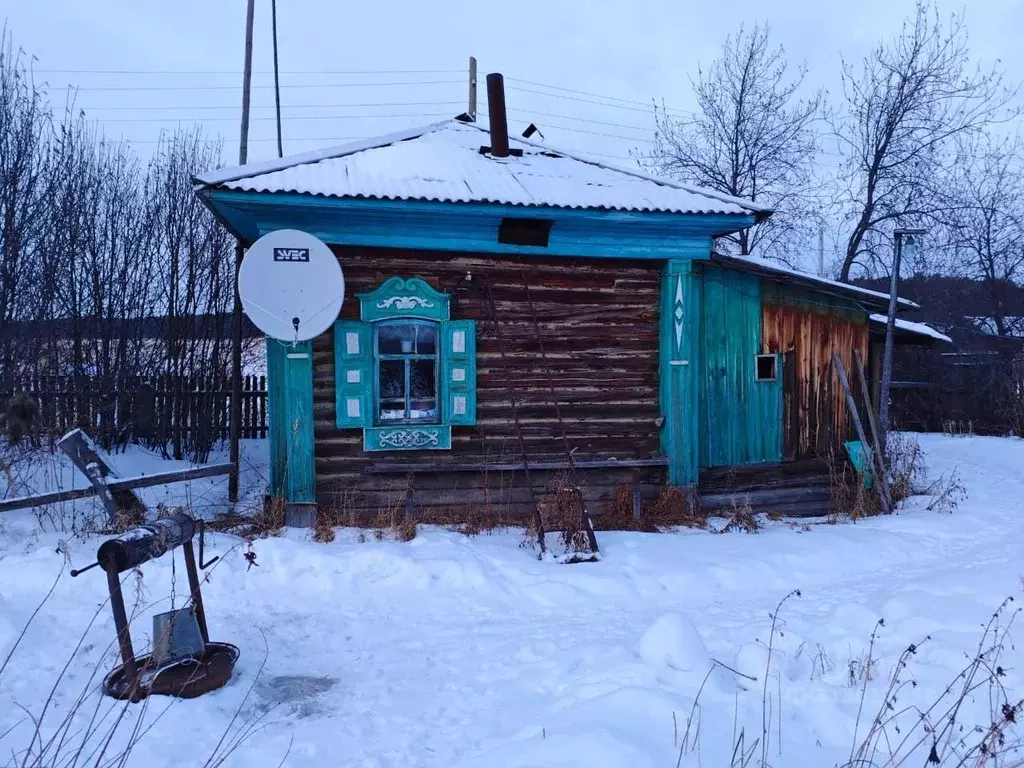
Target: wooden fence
[(153, 408)]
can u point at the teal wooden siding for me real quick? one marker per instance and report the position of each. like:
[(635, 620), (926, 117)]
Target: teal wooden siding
[(740, 417), (290, 396), (679, 346)]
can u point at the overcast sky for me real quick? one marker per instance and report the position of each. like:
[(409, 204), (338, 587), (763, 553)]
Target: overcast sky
[(144, 66)]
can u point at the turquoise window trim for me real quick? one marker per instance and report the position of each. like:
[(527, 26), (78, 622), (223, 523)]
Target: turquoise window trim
[(398, 298), (408, 437), (401, 300)]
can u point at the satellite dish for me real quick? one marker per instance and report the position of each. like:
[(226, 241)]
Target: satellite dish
[(291, 285)]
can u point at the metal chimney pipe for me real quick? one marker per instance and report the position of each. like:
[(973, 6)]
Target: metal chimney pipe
[(498, 116)]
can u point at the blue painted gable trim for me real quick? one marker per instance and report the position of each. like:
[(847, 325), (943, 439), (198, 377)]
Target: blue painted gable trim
[(473, 227)]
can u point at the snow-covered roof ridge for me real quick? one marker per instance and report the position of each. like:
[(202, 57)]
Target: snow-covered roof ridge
[(236, 172), (920, 329), (442, 162)]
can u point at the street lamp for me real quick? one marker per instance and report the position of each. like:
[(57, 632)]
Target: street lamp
[(902, 237)]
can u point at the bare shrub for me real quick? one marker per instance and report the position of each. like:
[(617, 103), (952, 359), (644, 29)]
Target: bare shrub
[(565, 511), (941, 728), (848, 498), (406, 530), (617, 514), (267, 521), (958, 428), (947, 493), (906, 466), (677, 506), (323, 531), (741, 518)]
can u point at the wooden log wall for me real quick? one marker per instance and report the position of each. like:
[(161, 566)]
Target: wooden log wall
[(599, 326), (806, 329)]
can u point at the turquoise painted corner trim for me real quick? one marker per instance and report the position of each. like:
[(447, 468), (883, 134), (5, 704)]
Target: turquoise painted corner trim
[(679, 347), (434, 437), (473, 227), (290, 385), (397, 297)]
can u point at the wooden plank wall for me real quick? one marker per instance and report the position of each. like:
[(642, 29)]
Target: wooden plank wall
[(599, 325), (740, 419), (806, 328)]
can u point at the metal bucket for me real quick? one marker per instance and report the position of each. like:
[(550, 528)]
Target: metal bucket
[(176, 637)]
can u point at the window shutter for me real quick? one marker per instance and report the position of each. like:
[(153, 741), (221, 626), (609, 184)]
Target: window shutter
[(458, 367), (353, 374)]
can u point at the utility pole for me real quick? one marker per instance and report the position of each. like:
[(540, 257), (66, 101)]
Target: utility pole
[(236, 327), (471, 111), (890, 326), (821, 250), (277, 83)]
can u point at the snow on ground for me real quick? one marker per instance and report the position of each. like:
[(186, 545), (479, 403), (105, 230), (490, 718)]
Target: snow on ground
[(465, 651)]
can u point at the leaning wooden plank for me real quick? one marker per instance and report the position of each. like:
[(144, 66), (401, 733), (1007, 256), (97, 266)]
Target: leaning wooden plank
[(883, 475), (82, 452), (851, 403), (121, 484)]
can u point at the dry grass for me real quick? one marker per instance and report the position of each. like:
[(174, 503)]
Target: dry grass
[(741, 518), (267, 521), (848, 498), (617, 514), (565, 511), (676, 507), (323, 531)]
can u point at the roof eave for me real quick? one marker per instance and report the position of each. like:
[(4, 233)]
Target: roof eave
[(866, 298)]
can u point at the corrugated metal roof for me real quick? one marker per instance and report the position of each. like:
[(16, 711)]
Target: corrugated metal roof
[(909, 326), (443, 162)]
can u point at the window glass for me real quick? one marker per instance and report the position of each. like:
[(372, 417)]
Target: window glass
[(407, 372), (422, 389), (396, 339), (426, 339)]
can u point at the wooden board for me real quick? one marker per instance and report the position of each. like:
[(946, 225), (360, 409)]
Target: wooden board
[(807, 332)]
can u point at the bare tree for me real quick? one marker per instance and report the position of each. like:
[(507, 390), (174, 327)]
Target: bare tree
[(904, 106), (24, 123), (195, 272), (985, 218), (752, 137)]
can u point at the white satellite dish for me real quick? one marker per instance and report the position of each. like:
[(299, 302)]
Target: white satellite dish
[(291, 285)]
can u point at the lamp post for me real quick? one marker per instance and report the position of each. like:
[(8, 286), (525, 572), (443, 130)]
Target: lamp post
[(901, 238)]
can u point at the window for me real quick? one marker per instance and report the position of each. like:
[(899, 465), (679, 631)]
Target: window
[(767, 368), (405, 373), (406, 362)]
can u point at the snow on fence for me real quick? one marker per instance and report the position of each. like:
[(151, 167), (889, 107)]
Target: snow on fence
[(159, 409)]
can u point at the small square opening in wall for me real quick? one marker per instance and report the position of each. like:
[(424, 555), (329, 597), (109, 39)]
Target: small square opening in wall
[(767, 367), (524, 232)]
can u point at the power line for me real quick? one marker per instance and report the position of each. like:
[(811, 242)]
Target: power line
[(235, 87), (255, 72), (148, 107), (594, 95), (286, 118), (583, 101), (581, 120)]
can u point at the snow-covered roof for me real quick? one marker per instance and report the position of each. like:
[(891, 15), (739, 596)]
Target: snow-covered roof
[(907, 326), (443, 162), (773, 268)]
